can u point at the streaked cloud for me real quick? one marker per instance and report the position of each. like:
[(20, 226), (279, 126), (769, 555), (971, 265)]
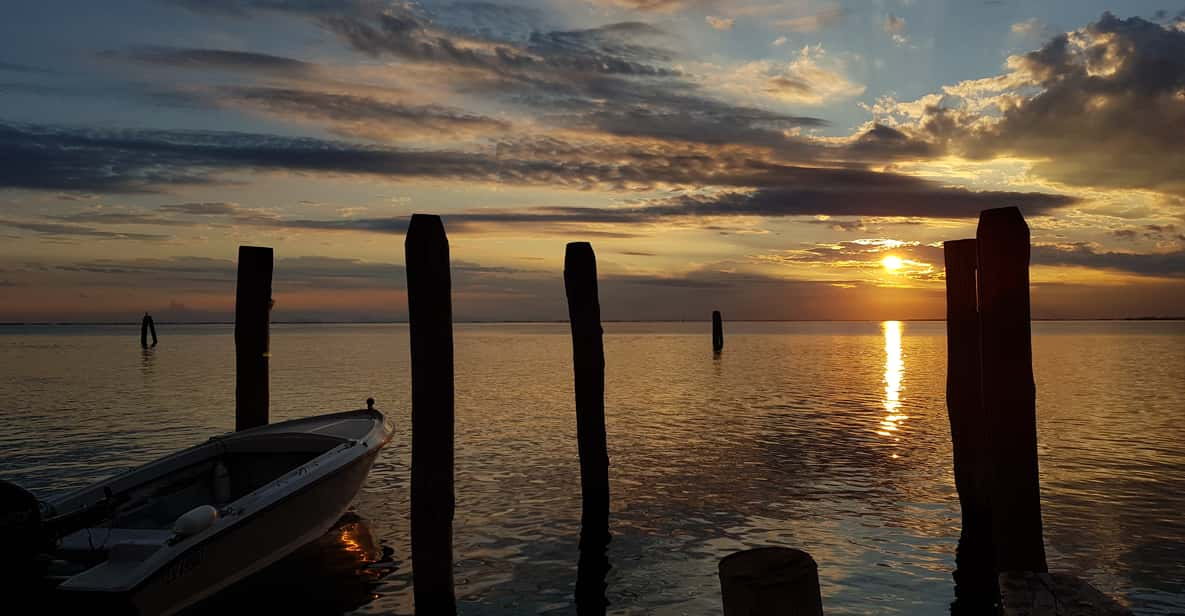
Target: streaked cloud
[(71, 231), (364, 117), (1085, 255), (212, 59), (1029, 27), (814, 22), (720, 23), (812, 78)]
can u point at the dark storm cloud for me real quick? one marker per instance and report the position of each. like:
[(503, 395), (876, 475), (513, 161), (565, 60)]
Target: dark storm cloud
[(491, 21), (697, 121), (409, 35), (132, 161), (1170, 264), (921, 199), (113, 218), (864, 193), (40, 158), (144, 160), (1151, 232), (172, 268), (137, 92), (360, 115), (612, 41), (23, 68), (212, 59), (1103, 106), (242, 8), (886, 143), (72, 231)]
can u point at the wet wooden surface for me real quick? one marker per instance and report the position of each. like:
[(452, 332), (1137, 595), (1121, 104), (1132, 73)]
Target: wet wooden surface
[(1053, 594)]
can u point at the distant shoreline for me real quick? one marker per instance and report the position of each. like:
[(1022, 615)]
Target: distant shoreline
[(137, 323)]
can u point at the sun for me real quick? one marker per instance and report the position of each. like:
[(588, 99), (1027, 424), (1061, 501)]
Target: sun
[(892, 263)]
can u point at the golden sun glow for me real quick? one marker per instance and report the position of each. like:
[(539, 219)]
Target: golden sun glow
[(892, 263)]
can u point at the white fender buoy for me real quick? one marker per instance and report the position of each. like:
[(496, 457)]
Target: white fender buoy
[(195, 520)]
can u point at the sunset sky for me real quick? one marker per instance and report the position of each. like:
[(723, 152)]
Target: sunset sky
[(764, 158)]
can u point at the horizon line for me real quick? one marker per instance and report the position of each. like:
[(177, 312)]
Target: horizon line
[(554, 321)]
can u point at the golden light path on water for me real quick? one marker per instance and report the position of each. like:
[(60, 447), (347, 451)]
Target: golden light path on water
[(894, 369)]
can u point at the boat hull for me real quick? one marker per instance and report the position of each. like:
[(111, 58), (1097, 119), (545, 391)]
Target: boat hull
[(259, 538), (273, 534)]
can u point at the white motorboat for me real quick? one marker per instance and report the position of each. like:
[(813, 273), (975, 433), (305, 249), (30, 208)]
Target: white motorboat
[(161, 537)]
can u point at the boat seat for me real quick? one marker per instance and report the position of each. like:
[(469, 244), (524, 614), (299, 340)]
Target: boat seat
[(116, 543)]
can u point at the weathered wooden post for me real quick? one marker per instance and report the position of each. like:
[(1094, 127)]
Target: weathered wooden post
[(430, 325), (770, 581), (717, 331), (1008, 391), (588, 363), (253, 304), (975, 574)]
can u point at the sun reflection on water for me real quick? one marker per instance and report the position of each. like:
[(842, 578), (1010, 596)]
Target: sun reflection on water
[(894, 369), (350, 539)]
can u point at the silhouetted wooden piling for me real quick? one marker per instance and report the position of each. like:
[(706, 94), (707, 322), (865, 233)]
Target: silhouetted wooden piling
[(147, 326), (588, 363), (717, 331), (1009, 394), (253, 304), (430, 325), (771, 581), (975, 574)]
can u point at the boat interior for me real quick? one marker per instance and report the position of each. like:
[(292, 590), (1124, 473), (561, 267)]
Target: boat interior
[(137, 512)]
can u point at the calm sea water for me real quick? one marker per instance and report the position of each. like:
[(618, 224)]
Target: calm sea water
[(830, 437)]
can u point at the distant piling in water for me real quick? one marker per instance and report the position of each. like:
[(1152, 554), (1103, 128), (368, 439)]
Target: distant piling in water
[(430, 325), (147, 326), (717, 331), (588, 363), (1009, 392), (253, 304), (770, 581)]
